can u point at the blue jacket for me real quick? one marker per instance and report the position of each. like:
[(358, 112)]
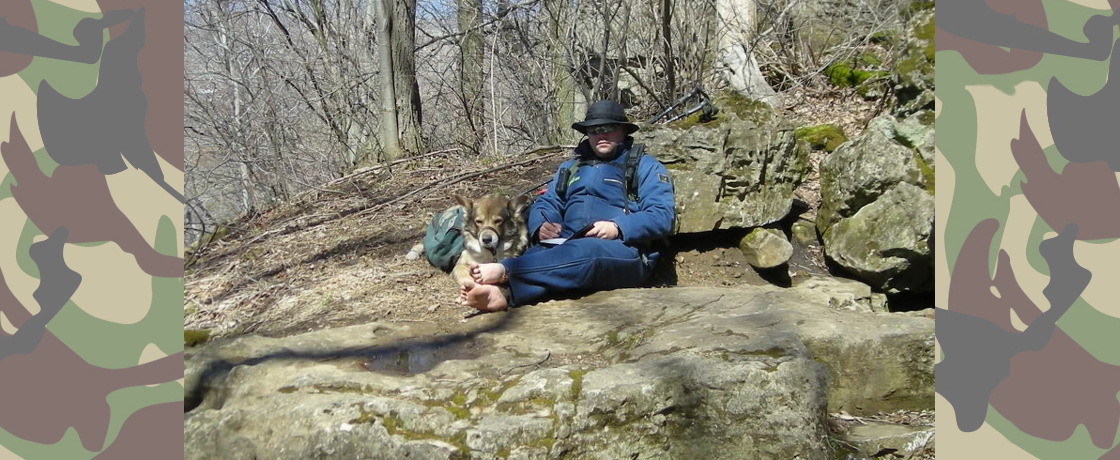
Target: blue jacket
[(597, 191)]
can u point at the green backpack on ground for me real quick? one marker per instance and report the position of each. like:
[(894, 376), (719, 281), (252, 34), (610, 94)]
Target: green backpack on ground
[(443, 241)]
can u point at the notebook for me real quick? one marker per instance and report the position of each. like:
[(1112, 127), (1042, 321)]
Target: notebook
[(579, 234)]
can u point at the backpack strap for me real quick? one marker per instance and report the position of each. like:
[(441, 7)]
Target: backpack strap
[(564, 177), (630, 175)]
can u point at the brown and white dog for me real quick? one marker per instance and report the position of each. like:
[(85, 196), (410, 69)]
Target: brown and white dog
[(494, 228)]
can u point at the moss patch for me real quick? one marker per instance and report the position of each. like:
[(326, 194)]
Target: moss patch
[(927, 118), (456, 405), (928, 176), (920, 60), (698, 118), (577, 382), (193, 337), (394, 427), (842, 75), (527, 406), (925, 32), (869, 59), (827, 137)]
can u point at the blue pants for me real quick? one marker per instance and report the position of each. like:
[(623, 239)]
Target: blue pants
[(582, 263)]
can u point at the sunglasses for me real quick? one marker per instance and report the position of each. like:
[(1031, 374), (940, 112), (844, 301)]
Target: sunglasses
[(601, 129)]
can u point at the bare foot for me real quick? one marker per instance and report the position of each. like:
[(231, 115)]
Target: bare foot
[(488, 273), (486, 297)]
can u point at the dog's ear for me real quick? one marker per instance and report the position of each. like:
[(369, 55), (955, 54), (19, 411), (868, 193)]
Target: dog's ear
[(518, 204), (462, 201)]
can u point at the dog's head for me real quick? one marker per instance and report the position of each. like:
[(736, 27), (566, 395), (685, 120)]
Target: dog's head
[(493, 218)]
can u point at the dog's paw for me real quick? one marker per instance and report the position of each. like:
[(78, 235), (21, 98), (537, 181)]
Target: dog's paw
[(415, 252)]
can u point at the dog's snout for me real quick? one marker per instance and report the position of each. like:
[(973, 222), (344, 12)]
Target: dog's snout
[(489, 239)]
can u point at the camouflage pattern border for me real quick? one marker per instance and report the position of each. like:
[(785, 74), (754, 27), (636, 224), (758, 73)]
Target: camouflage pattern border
[(1027, 229), (91, 268)]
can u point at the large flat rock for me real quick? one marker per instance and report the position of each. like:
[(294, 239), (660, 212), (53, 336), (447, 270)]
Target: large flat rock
[(674, 373)]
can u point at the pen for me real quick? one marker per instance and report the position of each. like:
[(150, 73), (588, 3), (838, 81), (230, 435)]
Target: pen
[(545, 217)]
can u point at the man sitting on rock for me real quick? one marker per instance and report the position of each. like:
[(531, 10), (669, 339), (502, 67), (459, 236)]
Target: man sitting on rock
[(615, 252)]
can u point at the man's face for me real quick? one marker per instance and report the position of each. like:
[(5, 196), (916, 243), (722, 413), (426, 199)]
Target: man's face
[(605, 138)]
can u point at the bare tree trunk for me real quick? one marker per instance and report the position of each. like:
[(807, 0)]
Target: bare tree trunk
[(390, 135), (562, 79), (272, 131), (407, 90), (736, 42), (248, 197), (225, 43), (471, 76), (667, 41)]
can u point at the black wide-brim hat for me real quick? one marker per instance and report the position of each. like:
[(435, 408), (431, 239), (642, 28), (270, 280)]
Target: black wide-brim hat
[(605, 113)]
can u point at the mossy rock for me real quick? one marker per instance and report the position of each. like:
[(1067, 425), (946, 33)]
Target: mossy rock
[(872, 90), (825, 137), (766, 248), (695, 119), (914, 66), (842, 75), (728, 103)]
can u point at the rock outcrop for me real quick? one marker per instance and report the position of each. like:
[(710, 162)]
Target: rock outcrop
[(914, 67), (737, 171), (877, 206), (679, 373)]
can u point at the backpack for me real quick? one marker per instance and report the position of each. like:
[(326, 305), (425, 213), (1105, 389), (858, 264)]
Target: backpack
[(629, 174), (630, 178), (443, 240)]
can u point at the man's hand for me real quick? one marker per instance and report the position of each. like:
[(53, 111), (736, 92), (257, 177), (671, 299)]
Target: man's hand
[(604, 229), (548, 230)]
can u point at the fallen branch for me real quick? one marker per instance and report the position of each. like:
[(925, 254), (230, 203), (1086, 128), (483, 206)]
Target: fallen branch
[(538, 363), (375, 168), (440, 183)]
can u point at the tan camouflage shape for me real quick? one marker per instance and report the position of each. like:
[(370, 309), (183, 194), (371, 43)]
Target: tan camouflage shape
[(19, 101), (1102, 296), (998, 114), (1016, 235), (99, 284), (88, 6)]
